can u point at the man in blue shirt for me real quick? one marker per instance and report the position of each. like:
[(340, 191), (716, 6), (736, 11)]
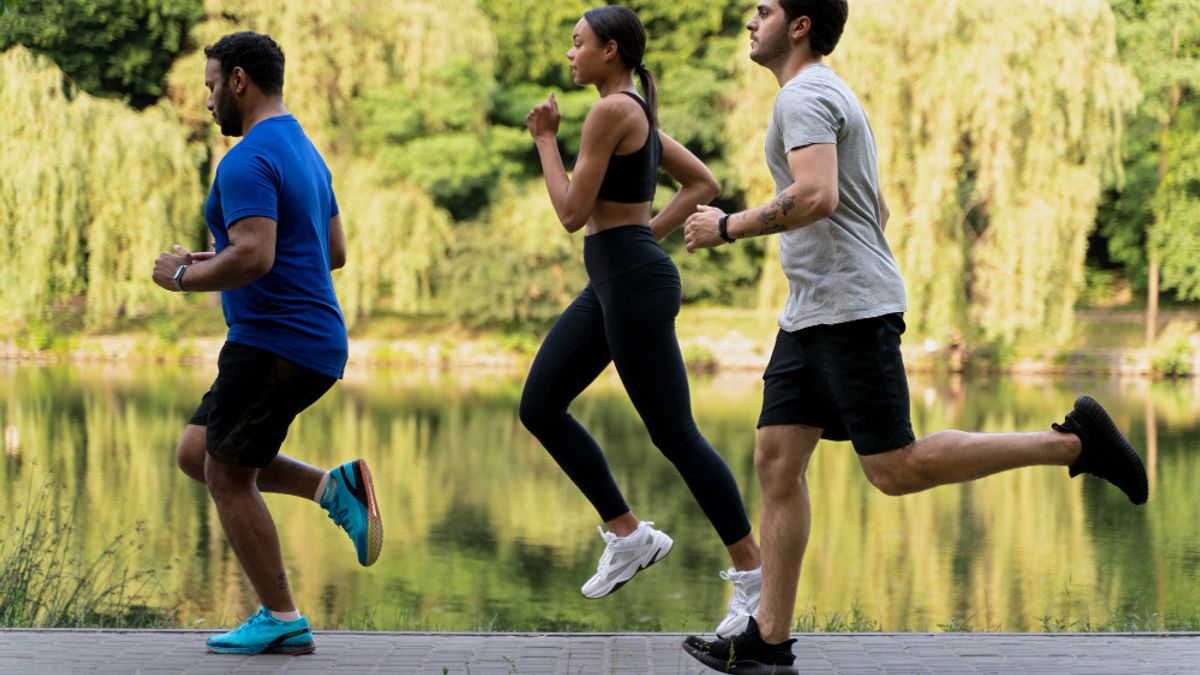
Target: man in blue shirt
[(274, 219)]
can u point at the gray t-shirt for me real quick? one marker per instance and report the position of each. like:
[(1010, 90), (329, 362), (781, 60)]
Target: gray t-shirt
[(839, 269)]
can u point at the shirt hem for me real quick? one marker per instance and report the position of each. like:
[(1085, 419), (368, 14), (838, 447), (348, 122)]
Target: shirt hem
[(834, 319), (290, 356)]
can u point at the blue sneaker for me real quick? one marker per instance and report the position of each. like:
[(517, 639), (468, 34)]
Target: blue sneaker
[(264, 634), (349, 499)]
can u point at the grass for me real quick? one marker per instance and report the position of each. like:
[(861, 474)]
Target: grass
[(45, 585)]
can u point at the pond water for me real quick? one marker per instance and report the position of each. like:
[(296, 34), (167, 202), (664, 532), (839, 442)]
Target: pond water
[(483, 532)]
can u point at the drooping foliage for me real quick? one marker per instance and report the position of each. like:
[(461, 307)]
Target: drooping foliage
[(91, 192)]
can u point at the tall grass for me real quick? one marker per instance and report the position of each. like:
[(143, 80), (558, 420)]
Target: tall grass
[(44, 583)]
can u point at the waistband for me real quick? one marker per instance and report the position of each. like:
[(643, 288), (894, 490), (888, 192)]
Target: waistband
[(618, 250)]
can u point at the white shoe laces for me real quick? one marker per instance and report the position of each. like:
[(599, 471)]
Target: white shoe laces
[(614, 544), (738, 603)]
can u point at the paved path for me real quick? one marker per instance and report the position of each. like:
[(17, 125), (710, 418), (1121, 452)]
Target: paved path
[(76, 651)]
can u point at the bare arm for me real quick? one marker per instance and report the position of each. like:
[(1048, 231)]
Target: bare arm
[(574, 197), (812, 196), (337, 243), (249, 256), (699, 186)]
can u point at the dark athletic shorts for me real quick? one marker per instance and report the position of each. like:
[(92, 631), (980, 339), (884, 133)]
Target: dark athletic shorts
[(847, 379), (252, 403)]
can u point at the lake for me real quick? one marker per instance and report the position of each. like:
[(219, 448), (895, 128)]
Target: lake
[(483, 531)]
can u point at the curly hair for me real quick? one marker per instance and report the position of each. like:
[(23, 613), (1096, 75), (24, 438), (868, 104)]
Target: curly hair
[(255, 53)]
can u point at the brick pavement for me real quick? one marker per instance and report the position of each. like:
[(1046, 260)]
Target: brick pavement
[(154, 652)]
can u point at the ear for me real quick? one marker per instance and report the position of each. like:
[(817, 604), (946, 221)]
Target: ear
[(238, 80), (611, 49), (800, 28)]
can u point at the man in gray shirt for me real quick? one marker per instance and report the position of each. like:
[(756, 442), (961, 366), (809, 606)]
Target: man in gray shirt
[(836, 371)]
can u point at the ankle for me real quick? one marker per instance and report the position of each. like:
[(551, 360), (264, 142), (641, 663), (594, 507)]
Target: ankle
[(1072, 446), (292, 615), (770, 632), (321, 485)]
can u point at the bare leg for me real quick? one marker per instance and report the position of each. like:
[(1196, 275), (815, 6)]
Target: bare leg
[(780, 460), (623, 525), (745, 554), (251, 532), (958, 456), (284, 475)]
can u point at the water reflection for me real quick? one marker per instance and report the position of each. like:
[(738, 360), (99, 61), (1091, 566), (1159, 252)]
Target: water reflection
[(483, 531)]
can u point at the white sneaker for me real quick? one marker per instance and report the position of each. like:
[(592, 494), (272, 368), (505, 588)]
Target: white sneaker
[(747, 591), (624, 557)]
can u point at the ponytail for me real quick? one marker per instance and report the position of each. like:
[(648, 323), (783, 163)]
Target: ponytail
[(649, 90)]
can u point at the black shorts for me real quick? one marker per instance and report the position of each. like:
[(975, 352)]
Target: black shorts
[(252, 403), (847, 379)]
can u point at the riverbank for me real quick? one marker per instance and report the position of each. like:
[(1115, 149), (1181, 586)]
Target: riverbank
[(712, 339)]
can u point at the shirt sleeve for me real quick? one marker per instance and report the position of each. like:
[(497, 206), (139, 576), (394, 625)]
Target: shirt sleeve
[(249, 187), (808, 116)]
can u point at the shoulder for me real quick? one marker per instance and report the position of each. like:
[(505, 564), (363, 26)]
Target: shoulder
[(822, 90), (614, 108), (247, 157)]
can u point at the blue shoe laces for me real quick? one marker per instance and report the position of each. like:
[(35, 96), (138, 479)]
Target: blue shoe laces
[(337, 511)]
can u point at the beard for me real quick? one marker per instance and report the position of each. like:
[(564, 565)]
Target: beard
[(770, 48), (229, 116)]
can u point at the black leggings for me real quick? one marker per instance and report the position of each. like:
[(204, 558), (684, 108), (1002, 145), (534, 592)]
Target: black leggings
[(626, 315)]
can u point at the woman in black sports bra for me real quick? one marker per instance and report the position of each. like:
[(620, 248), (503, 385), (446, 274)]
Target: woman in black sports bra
[(626, 314)]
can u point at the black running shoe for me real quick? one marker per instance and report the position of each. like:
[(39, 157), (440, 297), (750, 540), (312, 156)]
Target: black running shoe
[(1106, 453), (745, 653)]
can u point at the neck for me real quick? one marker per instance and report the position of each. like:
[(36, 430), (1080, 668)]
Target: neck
[(792, 64), (268, 108), (615, 83)]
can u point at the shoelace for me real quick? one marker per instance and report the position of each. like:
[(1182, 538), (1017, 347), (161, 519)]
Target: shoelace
[(340, 515), (741, 596), (255, 619), (613, 544)]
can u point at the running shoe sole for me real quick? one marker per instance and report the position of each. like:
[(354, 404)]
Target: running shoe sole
[(658, 555), (374, 522), (738, 667)]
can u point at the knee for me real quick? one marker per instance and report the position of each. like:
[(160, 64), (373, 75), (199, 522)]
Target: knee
[(780, 469), (190, 455), (895, 473), (532, 413)]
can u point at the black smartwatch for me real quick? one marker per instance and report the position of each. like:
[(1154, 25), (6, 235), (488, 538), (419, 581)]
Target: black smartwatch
[(723, 229)]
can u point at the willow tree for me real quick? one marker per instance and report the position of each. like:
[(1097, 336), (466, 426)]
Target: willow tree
[(341, 54), (996, 124), (91, 192)]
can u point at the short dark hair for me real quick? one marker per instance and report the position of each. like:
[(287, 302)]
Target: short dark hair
[(828, 19), (255, 53)]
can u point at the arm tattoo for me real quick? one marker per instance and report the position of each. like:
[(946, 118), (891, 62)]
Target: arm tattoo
[(773, 212), (786, 202)]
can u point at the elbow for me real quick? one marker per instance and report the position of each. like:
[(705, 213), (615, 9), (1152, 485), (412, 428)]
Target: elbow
[(573, 223), (708, 189), (824, 204), (337, 260), (260, 265)]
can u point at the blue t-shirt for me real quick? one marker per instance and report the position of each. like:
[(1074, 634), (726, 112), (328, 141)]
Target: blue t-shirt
[(292, 312)]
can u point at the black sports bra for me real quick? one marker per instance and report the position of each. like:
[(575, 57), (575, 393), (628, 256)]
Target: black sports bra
[(631, 179)]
